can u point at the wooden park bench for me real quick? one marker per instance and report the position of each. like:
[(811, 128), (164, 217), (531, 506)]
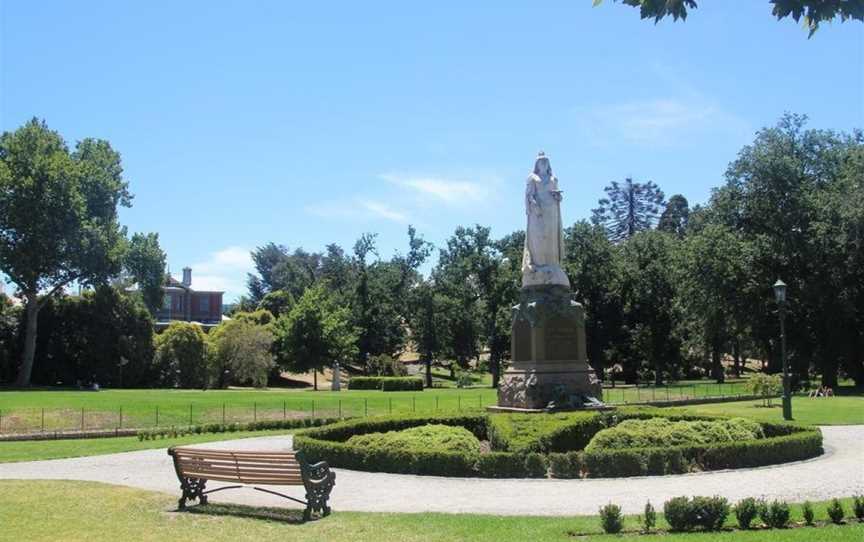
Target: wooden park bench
[(196, 466)]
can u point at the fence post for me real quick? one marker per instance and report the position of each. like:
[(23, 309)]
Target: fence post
[(121, 417), (653, 393), (190, 414), (254, 411), (82, 419), (313, 408), (390, 404), (340, 408), (436, 403), (43, 419), (638, 394), (157, 415), (285, 410), (365, 407), (413, 403), (1, 420), (223, 413)]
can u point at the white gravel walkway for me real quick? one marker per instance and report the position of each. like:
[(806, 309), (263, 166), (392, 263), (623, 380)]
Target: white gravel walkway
[(838, 473)]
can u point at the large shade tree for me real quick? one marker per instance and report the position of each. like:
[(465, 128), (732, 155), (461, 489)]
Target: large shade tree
[(58, 218)]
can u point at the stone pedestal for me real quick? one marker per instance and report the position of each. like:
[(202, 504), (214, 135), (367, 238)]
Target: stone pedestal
[(549, 368)]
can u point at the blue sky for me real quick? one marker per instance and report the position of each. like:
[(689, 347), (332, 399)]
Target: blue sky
[(306, 123)]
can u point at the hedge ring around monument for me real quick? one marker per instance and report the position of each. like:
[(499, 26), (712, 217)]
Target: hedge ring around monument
[(557, 452)]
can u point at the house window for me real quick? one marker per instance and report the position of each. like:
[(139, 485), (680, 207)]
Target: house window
[(166, 302), (204, 303)]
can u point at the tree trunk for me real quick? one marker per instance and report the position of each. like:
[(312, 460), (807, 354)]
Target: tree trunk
[(495, 366), (736, 351), (315, 378), (429, 372), (26, 369)]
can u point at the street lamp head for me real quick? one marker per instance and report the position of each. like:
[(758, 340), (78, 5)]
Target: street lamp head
[(780, 291)]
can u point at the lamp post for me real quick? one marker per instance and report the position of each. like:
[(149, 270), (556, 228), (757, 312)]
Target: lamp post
[(780, 297)]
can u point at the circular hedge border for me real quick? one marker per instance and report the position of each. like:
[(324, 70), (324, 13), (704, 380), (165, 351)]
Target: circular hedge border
[(782, 443)]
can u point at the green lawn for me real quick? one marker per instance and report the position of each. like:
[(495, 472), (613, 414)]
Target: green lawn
[(64, 410), (843, 410), (71, 511), (33, 450)]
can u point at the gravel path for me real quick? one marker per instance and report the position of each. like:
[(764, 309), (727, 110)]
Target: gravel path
[(838, 473)]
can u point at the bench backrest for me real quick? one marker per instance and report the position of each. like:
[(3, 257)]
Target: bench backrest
[(266, 468)]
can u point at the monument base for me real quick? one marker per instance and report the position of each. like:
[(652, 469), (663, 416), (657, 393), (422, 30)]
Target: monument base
[(550, 370)]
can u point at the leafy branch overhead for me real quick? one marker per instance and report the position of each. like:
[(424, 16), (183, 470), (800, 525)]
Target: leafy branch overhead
[(810, 12)]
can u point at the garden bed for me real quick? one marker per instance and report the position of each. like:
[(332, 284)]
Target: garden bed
[(556, 445)]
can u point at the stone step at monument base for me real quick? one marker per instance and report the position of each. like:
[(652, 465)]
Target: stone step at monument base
[(518, 410)]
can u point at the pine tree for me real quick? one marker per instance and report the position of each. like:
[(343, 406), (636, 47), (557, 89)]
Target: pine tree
[(629, 208)]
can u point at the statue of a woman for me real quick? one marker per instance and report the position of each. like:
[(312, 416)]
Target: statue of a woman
[(544, 237)]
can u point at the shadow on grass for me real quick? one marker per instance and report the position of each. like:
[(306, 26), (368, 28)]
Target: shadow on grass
[(281, 515)]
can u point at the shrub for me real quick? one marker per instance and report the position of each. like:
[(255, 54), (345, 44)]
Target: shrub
[(649, 518), (775, 514), (173, 432), (610, 518), (433, 437), (709, 512), (767, 386), (386, 383), (463, 379), (364, 383), (807, 512), (664, 432), (384, 365), (536, 465), (402, 384), (858, 506), (565, 465), (746, 511), (614, 463), (677, 513), (836, 512), (559, 432), (501, 465)]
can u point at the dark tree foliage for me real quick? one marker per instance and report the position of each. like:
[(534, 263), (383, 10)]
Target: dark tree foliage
[(676, 216), (594, 270), (104, 335), (813, 12), (628, 208)]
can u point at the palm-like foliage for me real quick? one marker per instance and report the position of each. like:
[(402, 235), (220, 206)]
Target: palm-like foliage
[(628, 208)]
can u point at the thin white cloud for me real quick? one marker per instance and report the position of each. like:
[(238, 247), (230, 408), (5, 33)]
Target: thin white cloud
[(657, 122), (357, 209), (384, 211), (224, 270), (451, 191)]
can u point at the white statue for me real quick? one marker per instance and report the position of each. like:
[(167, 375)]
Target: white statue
[(544, 236)]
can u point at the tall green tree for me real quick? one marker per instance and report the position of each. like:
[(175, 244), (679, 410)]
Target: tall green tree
[(628, 208), (182, 357), (145, 264), (648, 289), (592, 264), (58, 218), (241, 353), (675, 216), (314, 334)]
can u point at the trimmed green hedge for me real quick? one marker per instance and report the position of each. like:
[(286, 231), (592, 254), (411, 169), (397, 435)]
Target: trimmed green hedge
[(547, 454), (386, 383), (173, 432), (445, 438)]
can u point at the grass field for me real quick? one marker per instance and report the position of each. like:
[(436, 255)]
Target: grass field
[(67, 410), (844, 410), (107, 409), (71, 511), (33, 450)]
